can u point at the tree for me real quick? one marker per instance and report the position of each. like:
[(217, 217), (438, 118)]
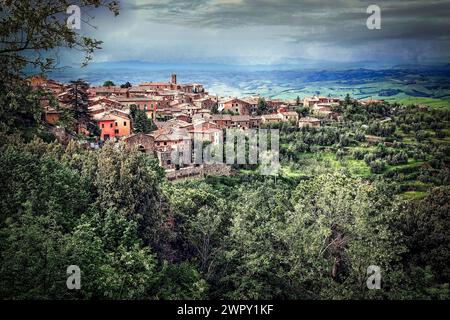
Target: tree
[(297, 101), (29, 33), (77, 100), (126, 85), (142, 123), (113, 263), (262, 106), (108, 83), (133, 110), (101, 210), (180, 281), (200, 219), (340, 226), (347, 100), (256, 252), (215, 108), (20, 109), (32, 255), (28, 29), (128, 182), (425, 225), (302, 111), (377, 166)]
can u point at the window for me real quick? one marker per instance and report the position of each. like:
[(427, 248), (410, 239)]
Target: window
[(110, 125), (124, 123), (116, 131), (165, 143), (103, 125), (116, 123)]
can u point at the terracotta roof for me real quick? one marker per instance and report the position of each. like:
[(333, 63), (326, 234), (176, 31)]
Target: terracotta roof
[(170, 134), (110, 115), (119, 99), (216, 117), (188, 106), (97, 107), (107, 118), (240, 118), (155, 84), (271, 116), (110, 89)]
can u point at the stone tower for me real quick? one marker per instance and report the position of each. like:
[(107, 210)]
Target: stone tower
[(173, 79)]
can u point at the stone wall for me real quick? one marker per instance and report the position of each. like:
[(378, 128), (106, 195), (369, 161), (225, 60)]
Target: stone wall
[(200, 171), (144, 142)]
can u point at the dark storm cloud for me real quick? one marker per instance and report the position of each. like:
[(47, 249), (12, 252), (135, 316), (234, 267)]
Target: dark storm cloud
[(340, 21), (260, 31)]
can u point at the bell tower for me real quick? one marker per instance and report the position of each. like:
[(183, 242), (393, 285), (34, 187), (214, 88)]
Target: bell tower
[(173, 78)]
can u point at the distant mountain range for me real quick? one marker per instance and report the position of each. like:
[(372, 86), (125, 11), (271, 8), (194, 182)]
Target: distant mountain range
[(399, 82), (292, 64)]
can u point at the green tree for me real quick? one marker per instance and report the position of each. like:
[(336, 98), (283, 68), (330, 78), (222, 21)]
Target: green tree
[(256, 254), (127, 181), (108, 83), (29, 29), (77, 100), (29, 33), (142, 123), (347, 100), (215, 108), (339, 227), (262, 106), (126, 85), (426, 229)]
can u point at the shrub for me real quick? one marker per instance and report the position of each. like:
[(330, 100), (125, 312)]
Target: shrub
[(377, 166)]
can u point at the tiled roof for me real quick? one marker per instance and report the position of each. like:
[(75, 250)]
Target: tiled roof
[(271, 116), (240, 118), (217, 117)]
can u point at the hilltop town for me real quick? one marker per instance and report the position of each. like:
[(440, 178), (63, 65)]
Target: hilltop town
[(177, 111), (216, 189)]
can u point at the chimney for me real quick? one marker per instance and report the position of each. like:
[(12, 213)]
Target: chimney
[(173, 79)]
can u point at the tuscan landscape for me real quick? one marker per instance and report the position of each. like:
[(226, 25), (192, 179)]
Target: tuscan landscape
[(99, 172)]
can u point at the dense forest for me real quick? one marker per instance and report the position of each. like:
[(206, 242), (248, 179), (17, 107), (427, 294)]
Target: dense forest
[(136, 235), (342, 202)]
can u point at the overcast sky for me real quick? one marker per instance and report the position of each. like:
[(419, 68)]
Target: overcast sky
[(273, 31)]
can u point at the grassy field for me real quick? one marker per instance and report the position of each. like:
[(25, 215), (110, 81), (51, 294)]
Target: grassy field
[(430, 102)]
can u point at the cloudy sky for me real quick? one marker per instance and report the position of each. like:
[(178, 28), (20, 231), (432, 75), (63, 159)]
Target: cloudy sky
[(256, 32)]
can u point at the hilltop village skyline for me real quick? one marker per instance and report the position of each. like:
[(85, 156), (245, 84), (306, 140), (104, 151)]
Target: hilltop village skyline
[(176, 111)]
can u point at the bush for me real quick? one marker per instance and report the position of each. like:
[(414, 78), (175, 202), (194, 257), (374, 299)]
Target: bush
[(398, 158), (360, 136), (340, 154), (358, 154), (377, 166), (370, 157)]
